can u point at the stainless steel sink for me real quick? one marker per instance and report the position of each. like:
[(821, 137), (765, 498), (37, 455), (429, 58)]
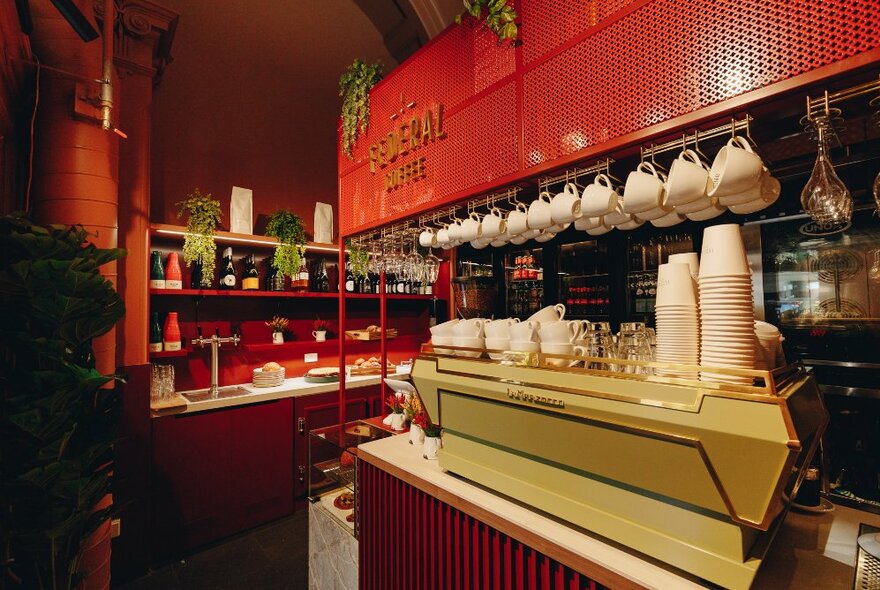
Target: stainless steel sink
[(199, 395)]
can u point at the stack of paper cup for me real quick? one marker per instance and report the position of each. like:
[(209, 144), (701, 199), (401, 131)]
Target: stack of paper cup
[(691, 259), (678, 325), (727, 320)]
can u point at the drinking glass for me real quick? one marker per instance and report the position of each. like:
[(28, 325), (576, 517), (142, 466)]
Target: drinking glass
[(633, 344), (825, 198)]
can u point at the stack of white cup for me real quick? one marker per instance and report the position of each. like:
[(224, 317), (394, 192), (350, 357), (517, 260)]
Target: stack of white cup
[(442, 334), (469, 334), (498, 336), (678, 324), (559, 337), (727, 318), (524, 337)]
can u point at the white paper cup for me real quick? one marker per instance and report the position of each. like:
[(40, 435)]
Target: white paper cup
[(540, 216), (566, 206), (735, 169), (675, 286), (688, 179), (643, 189), (689, 258), (551, 313), (599, 197), (723, 251)]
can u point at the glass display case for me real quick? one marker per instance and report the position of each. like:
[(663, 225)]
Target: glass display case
[(583, 280), (333, 468), (524, 281)]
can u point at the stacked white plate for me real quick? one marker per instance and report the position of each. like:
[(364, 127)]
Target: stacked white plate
[(678, 324), (268, 378), (727, 316)]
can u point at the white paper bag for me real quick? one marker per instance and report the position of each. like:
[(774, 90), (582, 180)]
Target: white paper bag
[(241, 211), (323, 223)]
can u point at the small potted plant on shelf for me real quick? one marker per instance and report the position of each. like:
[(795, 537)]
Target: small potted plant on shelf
[(397, 419), (199, 249), (290, 251), (320, 330), (432, 435), (413, 408), (278, 325)]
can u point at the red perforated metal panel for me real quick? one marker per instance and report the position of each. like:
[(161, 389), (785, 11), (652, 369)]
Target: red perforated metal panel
[(589, 73), (409, 540)]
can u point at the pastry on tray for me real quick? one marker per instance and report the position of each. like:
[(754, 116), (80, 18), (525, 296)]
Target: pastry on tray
[(347, 458), (344, 501)]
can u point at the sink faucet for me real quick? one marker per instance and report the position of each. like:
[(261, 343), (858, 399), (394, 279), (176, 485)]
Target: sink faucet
[(215, 341)]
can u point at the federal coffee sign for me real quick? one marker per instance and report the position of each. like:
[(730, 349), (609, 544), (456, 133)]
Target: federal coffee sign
[(388, 154)]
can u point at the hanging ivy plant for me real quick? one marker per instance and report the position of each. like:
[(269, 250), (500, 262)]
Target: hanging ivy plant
[(359, 259), (291, 248), (198, 243), (354, 88), (500, 17)]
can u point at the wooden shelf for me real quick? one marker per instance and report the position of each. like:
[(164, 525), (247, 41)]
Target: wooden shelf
[(167, 354), (166, 230), (395, 296), (305, 345), (240, 293)]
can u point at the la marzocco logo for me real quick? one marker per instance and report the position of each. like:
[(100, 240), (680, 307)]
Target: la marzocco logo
[(815, 228), (541, 400)]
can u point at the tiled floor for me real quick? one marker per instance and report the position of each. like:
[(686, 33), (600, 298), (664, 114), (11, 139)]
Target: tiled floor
[(272, 557)]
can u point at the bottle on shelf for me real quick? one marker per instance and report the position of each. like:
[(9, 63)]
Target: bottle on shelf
[(250, 277), (155, 333), (349, 278), (171, 333), (400, 286), (173, 275), (322, 281), (157, 271), (300, 281), (195, 275), (274, 279), (227, 270), (374, 283)]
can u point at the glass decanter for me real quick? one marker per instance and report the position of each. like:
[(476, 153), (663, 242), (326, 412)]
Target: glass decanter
[(825, 198)]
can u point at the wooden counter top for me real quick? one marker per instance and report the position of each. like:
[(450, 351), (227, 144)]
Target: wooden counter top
[(810, 551)]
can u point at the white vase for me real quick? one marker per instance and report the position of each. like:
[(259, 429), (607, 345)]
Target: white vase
[(398, 421), (277, 337), (430, 447), (416, 434)]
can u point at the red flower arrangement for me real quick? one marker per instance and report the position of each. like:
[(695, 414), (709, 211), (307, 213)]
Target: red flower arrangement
[(395, 402), (422, 421)]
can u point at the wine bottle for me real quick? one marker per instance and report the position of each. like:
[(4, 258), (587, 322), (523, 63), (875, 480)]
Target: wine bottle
[(157, 271), (195, 275), (155, 333), (250, 278), (349, 279), (227, 270)]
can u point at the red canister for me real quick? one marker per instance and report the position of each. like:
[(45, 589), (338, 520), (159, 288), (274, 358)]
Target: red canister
[(173, 274), (171, 332)]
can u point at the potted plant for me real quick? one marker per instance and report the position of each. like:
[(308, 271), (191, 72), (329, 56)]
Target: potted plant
[(397, 419), (432, 436), (359, 260), (199, 249), (278, 325), (412, 408), (58, 422), (354, 88), (290, 251), (320, 330), (500, 17)]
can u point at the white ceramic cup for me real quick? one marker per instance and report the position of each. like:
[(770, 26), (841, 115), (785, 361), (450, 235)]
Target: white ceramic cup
[(472, 328), (454, 230), (675, 286), (560, 331), (585, 223), (689, 258), (551, 313), (545, 236), (524, 346), (443, 237), (428, 238), (599, 197), (439, 341), (631, 224), (519, 240), (471, 228), (468, 342), (563, 349), (709, 213), (770, 190), (566, 206), (558, 227), (478, 244), (654, 213), (668, 220), (500, 328), (518, 220), (699, 205), (524, 331), (500, 240), (497, 344), (688, 179), (599, 231), (643, 190), (735, 169), (444, 329), (723, 251), (616, 217), (540, 216), (493, 224)]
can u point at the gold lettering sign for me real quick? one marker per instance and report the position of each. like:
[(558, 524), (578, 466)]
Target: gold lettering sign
[(407, 138), (541, 400)]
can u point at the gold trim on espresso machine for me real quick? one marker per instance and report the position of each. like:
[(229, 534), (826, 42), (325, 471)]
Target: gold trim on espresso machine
[(691, 472)]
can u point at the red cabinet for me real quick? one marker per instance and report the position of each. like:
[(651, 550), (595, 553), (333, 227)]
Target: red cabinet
[(219, 472)]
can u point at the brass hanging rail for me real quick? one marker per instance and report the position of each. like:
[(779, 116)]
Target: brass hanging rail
[(822, 105), (697, 136), (574, 173)]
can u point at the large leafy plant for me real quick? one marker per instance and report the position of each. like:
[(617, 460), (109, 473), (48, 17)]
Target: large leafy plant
[(354, 88), (198, 243), (359, 259), (57, 422), (288, 228), (500, 17)]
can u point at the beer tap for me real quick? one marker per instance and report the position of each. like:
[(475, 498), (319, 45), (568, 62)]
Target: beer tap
[(215, 342)]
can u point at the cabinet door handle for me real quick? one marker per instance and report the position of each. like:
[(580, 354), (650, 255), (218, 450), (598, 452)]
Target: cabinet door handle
[(301, 424), (302, 472)]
